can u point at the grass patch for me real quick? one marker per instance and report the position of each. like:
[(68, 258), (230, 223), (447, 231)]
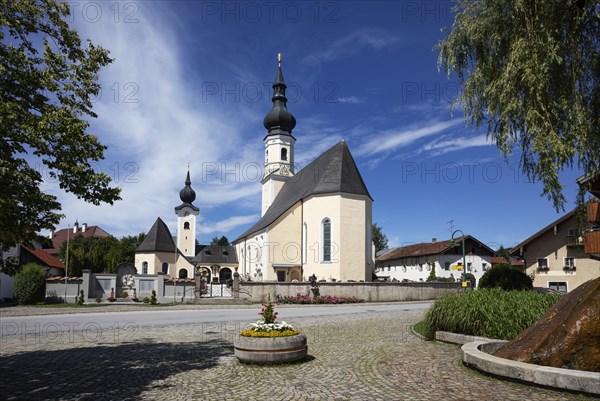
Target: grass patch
[(421, 328), (492, 313), (65, 305)]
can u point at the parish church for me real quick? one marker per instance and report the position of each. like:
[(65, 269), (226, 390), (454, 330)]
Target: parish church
[(316, 221)]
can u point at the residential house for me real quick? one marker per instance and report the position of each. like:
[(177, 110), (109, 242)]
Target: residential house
[(23, 255), (414, 262), (64, 234), (555, 255), (592, 235)]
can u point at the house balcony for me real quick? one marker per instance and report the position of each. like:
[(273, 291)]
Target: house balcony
[(593, 212), (574, 240), (592, 243)]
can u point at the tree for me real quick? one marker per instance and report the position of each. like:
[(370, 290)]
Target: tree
[(47, 83), (379, 238), (504, 253), (530, 70), (99, 254), (223, 241)]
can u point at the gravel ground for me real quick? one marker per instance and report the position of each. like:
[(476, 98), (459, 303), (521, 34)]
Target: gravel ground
[(373, 356)]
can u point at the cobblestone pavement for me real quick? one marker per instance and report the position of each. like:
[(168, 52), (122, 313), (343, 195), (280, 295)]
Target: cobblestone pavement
[(373, 356)]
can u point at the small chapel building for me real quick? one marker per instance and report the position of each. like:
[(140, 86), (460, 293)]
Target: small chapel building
[(316, 221), (182, 257)]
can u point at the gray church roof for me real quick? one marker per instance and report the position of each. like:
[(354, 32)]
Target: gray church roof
[(333, 172), (158, 239), (216, 254)]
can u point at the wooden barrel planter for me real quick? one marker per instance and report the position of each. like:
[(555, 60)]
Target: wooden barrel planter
[(272, 350)]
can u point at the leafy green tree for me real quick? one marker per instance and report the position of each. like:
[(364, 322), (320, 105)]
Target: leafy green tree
[(29, 285), (47, 83), (530, 71), (223, 241), (99, 254), (504, 253), (379, 238)]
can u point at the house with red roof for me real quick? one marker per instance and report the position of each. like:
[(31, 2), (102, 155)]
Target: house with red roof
[(414, 262), (60, 236)]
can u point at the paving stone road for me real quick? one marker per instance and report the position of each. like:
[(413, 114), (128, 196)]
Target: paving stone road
[(371, 357)]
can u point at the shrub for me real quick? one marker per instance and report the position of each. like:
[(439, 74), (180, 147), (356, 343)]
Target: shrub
[(492, 313), (29, 285), (505, 277), (153, 299), (432, 276), (98, 300), (146, 300), (124, 294), (53, 298), (81, 299)]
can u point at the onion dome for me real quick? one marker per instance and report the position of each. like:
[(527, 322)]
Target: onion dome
[(279, 120), (187, 194)]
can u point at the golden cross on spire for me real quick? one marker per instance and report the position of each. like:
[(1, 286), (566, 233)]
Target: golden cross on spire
[(279, 58)]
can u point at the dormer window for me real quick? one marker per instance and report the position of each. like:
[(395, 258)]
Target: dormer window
[(284, 155)]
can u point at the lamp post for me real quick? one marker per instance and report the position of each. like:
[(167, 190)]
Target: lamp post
[(452, 243)]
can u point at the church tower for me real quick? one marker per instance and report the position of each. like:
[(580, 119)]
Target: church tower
[(279, 143), (186, 219)]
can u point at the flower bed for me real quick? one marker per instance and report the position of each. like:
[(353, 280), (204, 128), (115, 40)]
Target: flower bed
[(268, 341), (322, 299), (267, 326)]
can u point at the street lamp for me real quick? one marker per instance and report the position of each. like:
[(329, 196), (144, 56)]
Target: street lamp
[(452, 243)]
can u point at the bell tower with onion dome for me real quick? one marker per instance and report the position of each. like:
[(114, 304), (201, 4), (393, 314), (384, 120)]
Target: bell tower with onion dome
[(279, 143), (186, 219)]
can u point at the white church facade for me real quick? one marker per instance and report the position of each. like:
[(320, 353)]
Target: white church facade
[(316, 221)]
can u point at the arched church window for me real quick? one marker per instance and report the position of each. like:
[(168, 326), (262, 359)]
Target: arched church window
[(165, 268), (326, 234), (284, 154), (266, 156), (183, 273), (186, 225), (144, 267)]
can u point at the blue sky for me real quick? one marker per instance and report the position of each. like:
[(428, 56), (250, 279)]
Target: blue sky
[(190, 83)]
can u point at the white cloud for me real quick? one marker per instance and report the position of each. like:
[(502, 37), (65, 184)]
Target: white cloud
[(349, 99), (153, 123), (227, 224), (443, 146), (352, 44), (391, 140)]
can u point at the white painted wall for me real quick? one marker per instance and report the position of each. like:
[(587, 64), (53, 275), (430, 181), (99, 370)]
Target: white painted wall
[(418, 269)]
